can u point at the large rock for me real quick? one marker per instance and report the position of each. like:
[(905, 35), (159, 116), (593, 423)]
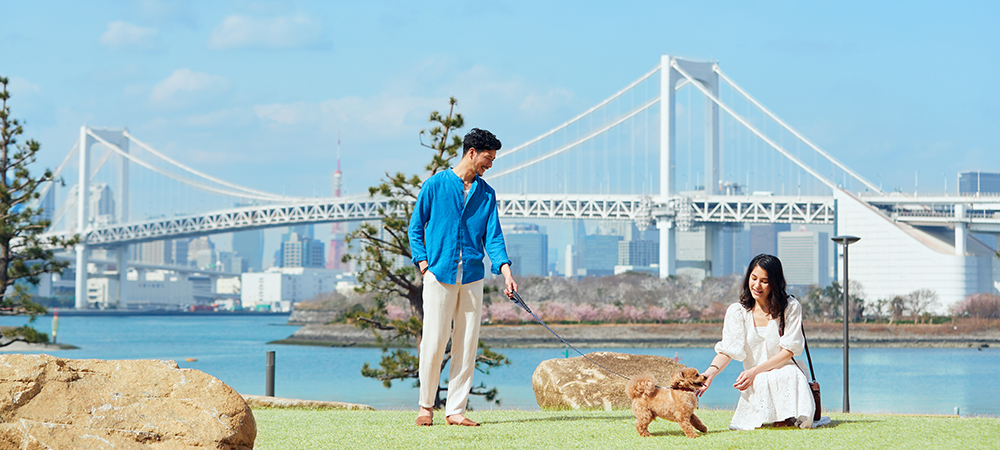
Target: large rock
[(54, 403), (576, 383)]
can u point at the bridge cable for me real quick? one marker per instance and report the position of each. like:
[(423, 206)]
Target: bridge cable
[(182, 179), (201, 174), (747, 124), (635, 83), (55, 175), (574, 143), (796, 133)]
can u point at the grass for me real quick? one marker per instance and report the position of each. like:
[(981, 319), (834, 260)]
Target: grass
[(511, 429)]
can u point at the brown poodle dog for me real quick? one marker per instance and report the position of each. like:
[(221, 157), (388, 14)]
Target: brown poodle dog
[(676, 403)]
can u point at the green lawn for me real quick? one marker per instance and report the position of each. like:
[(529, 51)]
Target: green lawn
[(506, 429)]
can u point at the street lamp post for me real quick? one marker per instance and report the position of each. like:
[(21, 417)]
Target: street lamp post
[(846, 241)]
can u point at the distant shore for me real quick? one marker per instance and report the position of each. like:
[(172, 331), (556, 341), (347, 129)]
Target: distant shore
[(26, 347), (676, 335)]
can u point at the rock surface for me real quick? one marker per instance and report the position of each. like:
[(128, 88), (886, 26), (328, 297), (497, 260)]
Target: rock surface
[(576, 383), (55, 403), (313, 316)]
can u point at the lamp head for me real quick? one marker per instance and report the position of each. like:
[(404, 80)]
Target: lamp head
[(845, 240)]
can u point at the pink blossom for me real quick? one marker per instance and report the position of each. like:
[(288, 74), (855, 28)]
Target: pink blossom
[(393, 312), (504, 312), (633, 314), (680, 314), (554, 311), (584, 312), (657, 314), (610, 313)]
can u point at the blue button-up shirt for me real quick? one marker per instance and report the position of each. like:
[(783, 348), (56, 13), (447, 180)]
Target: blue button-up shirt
[(444, 222)]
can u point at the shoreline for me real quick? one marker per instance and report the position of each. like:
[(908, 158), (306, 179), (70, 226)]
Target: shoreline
[(819, 335)]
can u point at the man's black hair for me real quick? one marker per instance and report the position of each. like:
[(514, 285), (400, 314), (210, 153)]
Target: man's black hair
[(480, 140)]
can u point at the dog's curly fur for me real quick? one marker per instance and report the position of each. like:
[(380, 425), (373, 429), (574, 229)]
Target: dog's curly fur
[(676, 404)]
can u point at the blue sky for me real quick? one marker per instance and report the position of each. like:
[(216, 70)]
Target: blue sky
[(257, 92)]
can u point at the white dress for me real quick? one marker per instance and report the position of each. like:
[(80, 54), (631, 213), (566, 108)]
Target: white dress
[(779, 393)]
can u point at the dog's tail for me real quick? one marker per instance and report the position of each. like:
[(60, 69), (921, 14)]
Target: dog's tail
[(641, 386)]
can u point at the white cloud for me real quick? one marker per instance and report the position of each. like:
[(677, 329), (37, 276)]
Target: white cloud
[(240, 31), (381, 118), (186, 87), (548, 101), (299, 113), (21, 86), (233, 117), (124, 35), (167, 12)]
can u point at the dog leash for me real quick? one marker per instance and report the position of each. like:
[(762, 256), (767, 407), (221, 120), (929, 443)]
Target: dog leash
[(516, 298)]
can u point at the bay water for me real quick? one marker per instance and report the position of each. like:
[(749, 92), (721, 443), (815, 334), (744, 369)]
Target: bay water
[(233, 348)]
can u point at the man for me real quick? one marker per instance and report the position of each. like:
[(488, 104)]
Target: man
[(454, 222)]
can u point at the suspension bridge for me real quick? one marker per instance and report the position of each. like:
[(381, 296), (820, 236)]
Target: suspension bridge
[(681, 148)]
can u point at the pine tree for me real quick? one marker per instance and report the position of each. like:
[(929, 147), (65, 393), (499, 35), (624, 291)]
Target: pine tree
[(24, 254)]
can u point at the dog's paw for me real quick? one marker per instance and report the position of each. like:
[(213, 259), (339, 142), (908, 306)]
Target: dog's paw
[(644, 433)]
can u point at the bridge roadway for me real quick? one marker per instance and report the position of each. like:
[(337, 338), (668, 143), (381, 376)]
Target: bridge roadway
[(981, 214)]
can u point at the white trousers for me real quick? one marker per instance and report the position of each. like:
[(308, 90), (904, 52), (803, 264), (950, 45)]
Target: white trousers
[(444, 303)]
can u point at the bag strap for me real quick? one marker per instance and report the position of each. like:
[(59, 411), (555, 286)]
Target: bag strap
[(808, 357), (806, 342)]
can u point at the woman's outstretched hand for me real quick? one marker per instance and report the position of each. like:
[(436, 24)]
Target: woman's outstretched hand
[(703, 388), (745, 380)]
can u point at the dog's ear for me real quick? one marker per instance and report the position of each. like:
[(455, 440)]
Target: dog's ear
[(677, 379), (685, 379)]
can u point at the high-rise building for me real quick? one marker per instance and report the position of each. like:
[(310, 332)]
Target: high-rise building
[(194, 249), (601, 254), (301, 251), (206, 259), (231, 262), (804, 257), (180, 252), (154, 252), (527, 248), (101, 206), (970, 183), (694, 252), (764, 237), (249, 245), (731, 253), (638, 253)]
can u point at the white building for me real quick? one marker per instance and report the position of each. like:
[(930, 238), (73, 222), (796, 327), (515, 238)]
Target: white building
[(153, 289), (894, 258), (278, 288)]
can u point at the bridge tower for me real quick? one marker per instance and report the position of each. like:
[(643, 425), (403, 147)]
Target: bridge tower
[(672, 79), (84, 215)]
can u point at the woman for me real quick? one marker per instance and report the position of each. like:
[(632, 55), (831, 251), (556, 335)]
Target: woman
[(764, 330)]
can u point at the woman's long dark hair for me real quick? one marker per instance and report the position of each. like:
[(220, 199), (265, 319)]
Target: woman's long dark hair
[(778, 299)]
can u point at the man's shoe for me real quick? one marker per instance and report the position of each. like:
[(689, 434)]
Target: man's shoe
[(465, 422)]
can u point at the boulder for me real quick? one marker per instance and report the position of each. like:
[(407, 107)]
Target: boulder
[(48, 402), (576, 383)]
